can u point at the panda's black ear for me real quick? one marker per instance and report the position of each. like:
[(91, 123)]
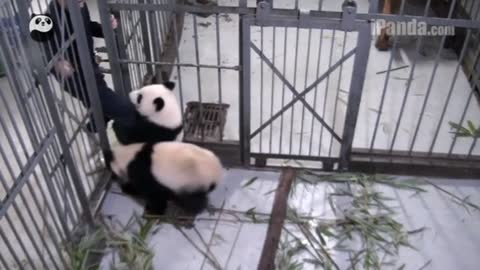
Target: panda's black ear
[(170, 85), (33, 15), (159, 103)]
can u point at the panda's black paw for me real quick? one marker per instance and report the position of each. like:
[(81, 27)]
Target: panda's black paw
[(92, 128), (155, 207), (121, 132)]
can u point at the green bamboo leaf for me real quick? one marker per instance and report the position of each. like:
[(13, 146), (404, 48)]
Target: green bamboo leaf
[(471, 126), (249, 182), (270, 192), (458, 127)]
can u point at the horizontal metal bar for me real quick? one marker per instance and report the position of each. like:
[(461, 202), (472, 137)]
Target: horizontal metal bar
[(294, 13), (156, 63), (402, 18), (297, 157), (183, 8), (29, 168), (414, 154), (299, 96), (428, 166)]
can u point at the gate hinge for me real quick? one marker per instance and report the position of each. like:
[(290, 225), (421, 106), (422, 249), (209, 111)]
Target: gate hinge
[(302, 15), (349, 14), (263, 10)]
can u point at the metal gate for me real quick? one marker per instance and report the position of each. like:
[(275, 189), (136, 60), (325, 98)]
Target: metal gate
[(45, 152), (197, 44), (339, 130)]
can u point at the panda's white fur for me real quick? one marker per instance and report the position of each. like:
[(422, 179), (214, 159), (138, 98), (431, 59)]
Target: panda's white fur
[(182, 172), (159, 116), (185, 167)]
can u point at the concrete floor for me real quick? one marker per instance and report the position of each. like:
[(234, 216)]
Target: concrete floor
[(450, 240)]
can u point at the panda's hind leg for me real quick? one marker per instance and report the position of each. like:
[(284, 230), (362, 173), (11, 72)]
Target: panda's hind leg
[(129, 188), (192, 203), (156, 206)]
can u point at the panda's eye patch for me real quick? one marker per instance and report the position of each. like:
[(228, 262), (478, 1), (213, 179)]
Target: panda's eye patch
[(48, 21), (38, 20), (139, 98), (159, 103)]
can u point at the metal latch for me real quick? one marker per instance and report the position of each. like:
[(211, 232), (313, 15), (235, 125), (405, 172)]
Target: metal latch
[(349, 14), (303, 14), (263, 10)]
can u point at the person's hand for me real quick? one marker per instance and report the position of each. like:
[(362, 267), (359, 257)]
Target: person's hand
[(113, 22), (64, 68)]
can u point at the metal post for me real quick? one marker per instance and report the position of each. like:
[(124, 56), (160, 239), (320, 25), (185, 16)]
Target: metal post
[(244, 89), (112, 49), (87, 67), (355, 94)]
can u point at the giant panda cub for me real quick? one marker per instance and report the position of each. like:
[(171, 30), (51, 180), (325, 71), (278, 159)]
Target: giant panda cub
[(180, 172), (158, 116)]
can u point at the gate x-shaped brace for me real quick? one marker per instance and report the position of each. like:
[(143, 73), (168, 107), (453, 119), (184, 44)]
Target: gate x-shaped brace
[(299, 96)]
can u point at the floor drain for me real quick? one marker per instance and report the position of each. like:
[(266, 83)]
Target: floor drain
[(205, 120)]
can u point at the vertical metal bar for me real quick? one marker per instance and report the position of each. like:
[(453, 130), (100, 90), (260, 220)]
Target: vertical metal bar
[(112, 48), (320, 43), (305, 86), (373, 6), (261, 89), (292, 114), (274, 30), (355, 93), (199, 80), (146, 35), (10, 248), (338, 91), (15, 84), (430, 84), (179, 69), (138, 47), (4, 262), (219, 71), (129, 49), (78, 91), (40, 113), (472, 147), (462, 119), (19, 164), (385, 85), (244, 75), (22, 222), (452, 86), (325, 96), (87, 68), (283, 87), (409, 81), (63, 141), (25, 118)]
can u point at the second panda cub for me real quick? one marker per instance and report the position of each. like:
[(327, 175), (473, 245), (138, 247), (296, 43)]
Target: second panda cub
[(158, 116), (181, 172)]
